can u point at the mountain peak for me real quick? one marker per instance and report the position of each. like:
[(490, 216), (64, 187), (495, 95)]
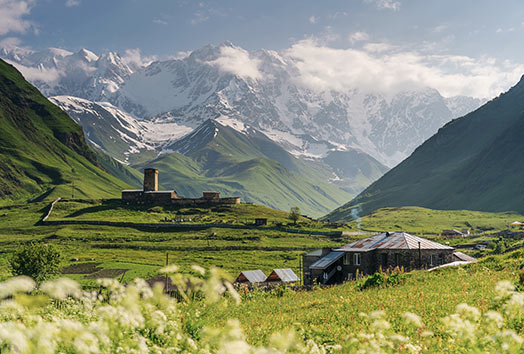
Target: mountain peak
[(87, 55)]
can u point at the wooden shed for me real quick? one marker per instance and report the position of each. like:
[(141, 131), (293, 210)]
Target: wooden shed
[(285, 275), (251, 277)]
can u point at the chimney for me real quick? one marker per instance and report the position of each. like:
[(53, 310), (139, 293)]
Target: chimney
[(387, 234), (150, 179)]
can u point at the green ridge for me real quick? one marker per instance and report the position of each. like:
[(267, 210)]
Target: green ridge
[(42, 151)]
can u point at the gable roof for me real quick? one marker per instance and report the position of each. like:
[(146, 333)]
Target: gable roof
[(285, 275), (252, 276), (394, 240)]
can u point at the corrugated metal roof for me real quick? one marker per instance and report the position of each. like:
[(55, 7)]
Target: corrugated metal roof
[(327, 260), (254, 276), (286, 275), (452, 264), (464, 257), (395, 240)]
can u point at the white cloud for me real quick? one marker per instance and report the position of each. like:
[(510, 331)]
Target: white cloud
[(325, 68), (11, 16), (134, 58), (385, 4), (159, 22), (199, 17), (49, 76), (379, 47), (312, 19), (237, 61), (10, 42), (72, 3), (358, 37)]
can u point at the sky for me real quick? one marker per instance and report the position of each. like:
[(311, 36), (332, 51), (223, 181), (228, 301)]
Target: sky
[(469, 47)]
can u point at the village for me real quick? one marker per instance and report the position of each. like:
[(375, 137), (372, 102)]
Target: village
[(326, 266), (264, 248)]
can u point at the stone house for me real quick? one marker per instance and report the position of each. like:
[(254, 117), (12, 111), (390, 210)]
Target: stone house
[(369, 255)]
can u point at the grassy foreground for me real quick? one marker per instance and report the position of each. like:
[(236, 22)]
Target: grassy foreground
[(452, 310)]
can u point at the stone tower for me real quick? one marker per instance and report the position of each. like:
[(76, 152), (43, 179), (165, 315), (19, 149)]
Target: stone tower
[(150, 179)]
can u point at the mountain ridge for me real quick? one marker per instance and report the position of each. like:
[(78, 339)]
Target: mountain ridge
[(471, 163), (195, 88)]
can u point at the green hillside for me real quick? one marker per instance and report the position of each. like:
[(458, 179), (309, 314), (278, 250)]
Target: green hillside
[(474, 163), (419, 220), (247, 165), (42, 151)]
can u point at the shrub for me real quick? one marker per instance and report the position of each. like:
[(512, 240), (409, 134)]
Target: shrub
[(294, 214), (38, 261), (382, 279)]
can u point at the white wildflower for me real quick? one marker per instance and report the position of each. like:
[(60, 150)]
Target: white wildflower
[(169, 269), (380, 325), (16, 285), (494, 318), (412, 319), (504, 288), (468, 312), (61, 288), (86, 342), (233, 292), (14, 335), (198, 269), (377, 315)]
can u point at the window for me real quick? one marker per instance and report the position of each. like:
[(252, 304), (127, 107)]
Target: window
[(431, 260), (347, 259), (356, 259)]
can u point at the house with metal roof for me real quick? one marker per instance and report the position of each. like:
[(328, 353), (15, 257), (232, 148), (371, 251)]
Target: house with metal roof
[(369, 255), (285, 275), (251, 277)]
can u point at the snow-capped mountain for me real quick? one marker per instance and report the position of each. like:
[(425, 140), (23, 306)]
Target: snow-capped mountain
[(265, 92)]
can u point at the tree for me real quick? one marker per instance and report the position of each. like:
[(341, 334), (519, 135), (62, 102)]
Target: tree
[(294, 214), (38, 261)]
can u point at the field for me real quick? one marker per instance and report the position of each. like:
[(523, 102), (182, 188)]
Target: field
[(328, 316), (143, 250), (419, 220)]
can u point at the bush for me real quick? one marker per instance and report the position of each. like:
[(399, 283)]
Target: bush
[(381, 279), (294, 214), (38, 261)]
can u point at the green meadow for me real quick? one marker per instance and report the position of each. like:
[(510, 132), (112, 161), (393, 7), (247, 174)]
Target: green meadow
[(326, 315)]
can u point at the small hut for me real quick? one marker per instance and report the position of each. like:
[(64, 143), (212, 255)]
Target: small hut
[(251, 277), (282, 276)]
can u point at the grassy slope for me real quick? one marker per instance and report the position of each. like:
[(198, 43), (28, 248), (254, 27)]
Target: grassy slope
[(144, 250), (42, 151), (327, 315), (253, 168), (421, 220), (472, 163), (330, 315)]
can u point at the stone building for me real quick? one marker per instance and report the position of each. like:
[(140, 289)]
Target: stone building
[(369, 255), (151, 195)]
